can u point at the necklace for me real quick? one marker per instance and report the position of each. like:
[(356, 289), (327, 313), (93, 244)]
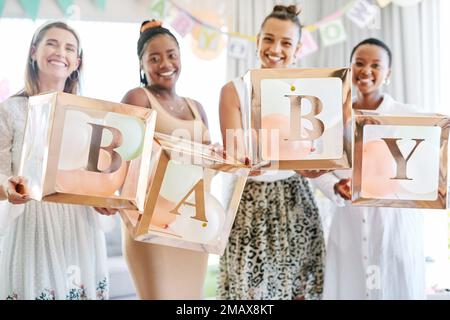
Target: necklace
[(170, 105), (176, 109)]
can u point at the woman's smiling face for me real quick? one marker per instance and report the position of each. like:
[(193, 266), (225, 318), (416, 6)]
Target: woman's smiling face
[(161, 61), (370, 68), (278, 43)]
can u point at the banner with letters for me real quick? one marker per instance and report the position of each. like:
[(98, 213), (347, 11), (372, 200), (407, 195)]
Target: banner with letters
[(400, 160), (297, 118), (192, 198), (86, 151)]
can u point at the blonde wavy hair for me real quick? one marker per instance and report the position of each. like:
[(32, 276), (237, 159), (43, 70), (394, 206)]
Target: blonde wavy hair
[(31, 71)]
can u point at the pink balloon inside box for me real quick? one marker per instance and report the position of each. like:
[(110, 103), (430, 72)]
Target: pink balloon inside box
[(86, 151), (192, 199), (296, 118), (400, 160)]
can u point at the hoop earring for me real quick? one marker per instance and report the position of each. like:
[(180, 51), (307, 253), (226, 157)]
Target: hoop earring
[(143, 78), (34, 66), (77, 77)]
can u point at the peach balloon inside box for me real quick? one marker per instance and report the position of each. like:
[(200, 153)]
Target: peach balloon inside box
[(86, 151), (297, 118), (400, 160)]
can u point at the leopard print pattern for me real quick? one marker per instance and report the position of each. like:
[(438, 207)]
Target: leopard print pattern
[(276, 247)]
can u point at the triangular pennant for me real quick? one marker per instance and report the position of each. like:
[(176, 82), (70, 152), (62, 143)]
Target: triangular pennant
[(64, 5), (100, 4), (31, 8), (383, 3), (158, 9)]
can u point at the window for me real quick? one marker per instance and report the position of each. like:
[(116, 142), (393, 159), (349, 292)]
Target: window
[(111, 66)]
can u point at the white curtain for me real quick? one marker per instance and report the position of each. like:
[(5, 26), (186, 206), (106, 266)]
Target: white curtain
[(411, 32)]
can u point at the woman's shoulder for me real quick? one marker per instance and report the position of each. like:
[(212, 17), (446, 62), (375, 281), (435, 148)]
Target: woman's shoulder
[(12, 103), (199, 108), (228, 86), (399, 107), (234, 84), (136, 97), (230, 90)]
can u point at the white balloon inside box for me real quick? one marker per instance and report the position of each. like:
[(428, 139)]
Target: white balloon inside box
[(86, 151), (179, 188), (192, 198), (200, 231), (76, 140)]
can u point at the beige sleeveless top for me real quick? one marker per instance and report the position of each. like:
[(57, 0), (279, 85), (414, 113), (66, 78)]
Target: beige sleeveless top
[(193, 130)]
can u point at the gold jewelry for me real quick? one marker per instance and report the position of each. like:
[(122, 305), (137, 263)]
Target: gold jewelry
[(175, 109)]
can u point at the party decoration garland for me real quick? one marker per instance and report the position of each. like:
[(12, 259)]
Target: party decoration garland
[(208, 36)]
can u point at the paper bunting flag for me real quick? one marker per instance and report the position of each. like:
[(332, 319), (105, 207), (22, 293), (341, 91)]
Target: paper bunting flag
[(158, 9), (4, 90), (237, 48), (208, 39), (309, 46), (207, 43), (100, 4), (383, 3), (362, 13), (30, 7), (182, 24), (332, 32), (2, 5), (64, 5)]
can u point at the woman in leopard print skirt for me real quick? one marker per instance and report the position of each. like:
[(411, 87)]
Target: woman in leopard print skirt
[(276, 246)]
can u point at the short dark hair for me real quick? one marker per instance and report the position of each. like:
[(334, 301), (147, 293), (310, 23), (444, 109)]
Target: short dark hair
[(289, 13), (375, 42)]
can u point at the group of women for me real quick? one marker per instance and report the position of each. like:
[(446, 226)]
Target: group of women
[(276, 248)]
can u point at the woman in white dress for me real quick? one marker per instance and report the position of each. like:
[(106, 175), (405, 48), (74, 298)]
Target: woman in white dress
[(372, 253), (49, 251)]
